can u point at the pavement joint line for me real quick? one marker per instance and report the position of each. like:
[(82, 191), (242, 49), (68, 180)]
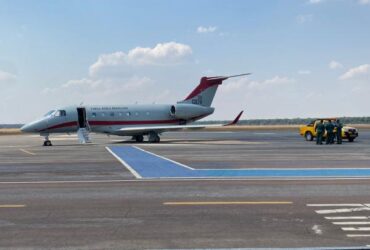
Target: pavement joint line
[(205, 203), (26, 151), (12, 205)]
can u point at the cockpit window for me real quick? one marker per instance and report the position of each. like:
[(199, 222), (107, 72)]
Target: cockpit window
[(60, 113), (49, 113)]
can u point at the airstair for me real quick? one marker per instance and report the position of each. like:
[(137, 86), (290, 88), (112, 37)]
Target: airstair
[(83, 135)]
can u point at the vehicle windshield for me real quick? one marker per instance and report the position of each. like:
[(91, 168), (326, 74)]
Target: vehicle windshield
[(49, 113)]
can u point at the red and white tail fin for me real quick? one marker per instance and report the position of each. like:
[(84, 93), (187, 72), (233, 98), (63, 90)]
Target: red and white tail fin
[(204, 93)]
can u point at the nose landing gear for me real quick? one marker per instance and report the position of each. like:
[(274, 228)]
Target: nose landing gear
[(47, 142)]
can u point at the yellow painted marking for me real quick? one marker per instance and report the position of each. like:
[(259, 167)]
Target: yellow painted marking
[(201, 203), (27, 152), (12, 206)]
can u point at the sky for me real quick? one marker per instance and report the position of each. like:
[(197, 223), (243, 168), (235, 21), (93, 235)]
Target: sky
[(308, 58)]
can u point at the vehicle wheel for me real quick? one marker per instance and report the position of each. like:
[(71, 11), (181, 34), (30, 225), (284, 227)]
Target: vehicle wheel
[(47, 143), (308, 136), (139, 138), (351, 139)]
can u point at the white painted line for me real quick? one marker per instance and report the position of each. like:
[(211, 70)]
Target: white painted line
[(67, 182), (358, 235), (352, 223), (317, 229), (336, 205), (348, 218), (356, 228), (164, 158), (26, 151), (125, 164), (155, 180), (342, 210)]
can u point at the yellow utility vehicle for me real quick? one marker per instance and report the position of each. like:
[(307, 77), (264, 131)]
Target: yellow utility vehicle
[(309, 131)]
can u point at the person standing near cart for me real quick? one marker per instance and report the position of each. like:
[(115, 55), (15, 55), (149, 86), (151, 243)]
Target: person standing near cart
[(320, 130), (329, 132), (339, 132)]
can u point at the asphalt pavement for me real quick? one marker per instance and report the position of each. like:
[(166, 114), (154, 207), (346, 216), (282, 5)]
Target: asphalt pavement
[(80, 196)]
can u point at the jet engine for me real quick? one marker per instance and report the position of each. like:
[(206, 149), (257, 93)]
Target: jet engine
[(189, 111)]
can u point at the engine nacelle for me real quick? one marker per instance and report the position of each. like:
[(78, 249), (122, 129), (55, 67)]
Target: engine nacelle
[(189, 111)]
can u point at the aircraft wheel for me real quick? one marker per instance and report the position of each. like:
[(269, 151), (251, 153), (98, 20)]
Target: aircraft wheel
[(47, 143), (139, 138), (153, 137)]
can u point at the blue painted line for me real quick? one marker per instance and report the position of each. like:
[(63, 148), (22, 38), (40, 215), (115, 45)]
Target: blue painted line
[(148, 165)]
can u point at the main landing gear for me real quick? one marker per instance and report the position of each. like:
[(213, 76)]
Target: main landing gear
[(153, 137), (47, 142), (138, 138)]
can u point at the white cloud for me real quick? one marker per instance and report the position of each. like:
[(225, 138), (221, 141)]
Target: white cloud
[(304, 18), (161, 54), (356, 72), (304, 72), (335, 65), (209, 29), (6, 77), (364, 2), (122, 77), (241, 83)]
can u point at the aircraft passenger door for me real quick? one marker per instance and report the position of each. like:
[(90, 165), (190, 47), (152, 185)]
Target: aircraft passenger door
[(81, 114)]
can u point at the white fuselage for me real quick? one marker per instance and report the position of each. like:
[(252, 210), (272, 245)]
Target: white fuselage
[(110, 119)]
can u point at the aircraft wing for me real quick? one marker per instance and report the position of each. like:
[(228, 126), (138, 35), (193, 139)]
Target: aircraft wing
[(160, 129)]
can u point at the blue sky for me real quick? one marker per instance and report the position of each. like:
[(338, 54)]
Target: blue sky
[(308, 57)]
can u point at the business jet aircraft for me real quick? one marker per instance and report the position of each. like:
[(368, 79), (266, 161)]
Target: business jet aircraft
[(133, 120)]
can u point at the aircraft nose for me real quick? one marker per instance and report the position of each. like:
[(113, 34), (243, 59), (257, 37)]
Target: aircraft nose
[(27, 128), (24, 128), (35, 126)]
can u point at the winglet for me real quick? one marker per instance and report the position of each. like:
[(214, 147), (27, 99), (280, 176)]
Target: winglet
[(235, 120)]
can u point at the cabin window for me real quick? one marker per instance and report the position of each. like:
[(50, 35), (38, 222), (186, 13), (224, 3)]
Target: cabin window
[(93, 114), (147, 113), (112, 114), (49, 113), (136, 113), (128, 114), (103, 114), (120, 114), (60, 113)]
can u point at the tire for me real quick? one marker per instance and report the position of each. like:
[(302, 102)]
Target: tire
[(139, 138), (308, 136), (47, 143)]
